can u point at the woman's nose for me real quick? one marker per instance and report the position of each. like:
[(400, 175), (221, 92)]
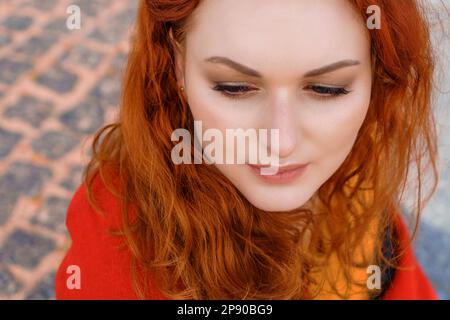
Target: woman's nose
[(283, 118)]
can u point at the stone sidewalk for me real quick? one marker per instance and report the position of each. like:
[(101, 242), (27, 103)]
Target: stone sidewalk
[(57, 87)]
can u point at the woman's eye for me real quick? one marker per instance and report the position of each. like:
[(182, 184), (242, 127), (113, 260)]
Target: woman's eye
[(325, 91), (232, 91), (238, 91)]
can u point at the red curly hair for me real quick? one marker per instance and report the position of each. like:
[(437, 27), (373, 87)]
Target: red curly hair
[(197, 236)]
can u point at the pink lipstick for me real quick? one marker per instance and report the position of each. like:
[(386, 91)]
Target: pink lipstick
[(285, 174)]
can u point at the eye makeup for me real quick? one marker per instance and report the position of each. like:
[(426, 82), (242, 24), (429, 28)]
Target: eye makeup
[(233, 91), (323, 86), (327, 91), (237, 91)]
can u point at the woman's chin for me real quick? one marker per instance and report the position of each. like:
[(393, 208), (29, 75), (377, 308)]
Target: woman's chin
[(278, 203)]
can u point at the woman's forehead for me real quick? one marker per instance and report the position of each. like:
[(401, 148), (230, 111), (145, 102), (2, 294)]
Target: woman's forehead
[(286, 32)]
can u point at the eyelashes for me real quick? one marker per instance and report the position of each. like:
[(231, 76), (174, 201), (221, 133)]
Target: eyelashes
[(240, 91), (233, 91), (328, 91)]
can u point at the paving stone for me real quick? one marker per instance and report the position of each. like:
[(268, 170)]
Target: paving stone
[(84, 56), (37, 45), (8, 284), (7, 203), (45, 289), (30, 110), (125, 18), (44, 5), (8, 140), (25, 249), (85, 118), (54, 144), (5, 39), (58, 79), (107, 91), (106, 35), (23, 178), (73, 178), (114, 30), (12, 70), (57, 26), (119, 62), (88, 153), (428, 249), (91, 7), (17, 22), (53, 214)]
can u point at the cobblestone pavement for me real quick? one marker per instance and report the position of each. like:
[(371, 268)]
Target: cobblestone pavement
[(57, 86)]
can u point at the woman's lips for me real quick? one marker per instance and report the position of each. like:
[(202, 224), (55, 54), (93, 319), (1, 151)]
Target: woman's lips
[(284, 174)]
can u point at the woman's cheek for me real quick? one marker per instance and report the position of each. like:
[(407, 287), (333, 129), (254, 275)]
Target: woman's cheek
[(337, 132), (214, 112)]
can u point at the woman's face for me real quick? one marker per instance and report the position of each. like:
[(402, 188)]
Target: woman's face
[(300, 66)]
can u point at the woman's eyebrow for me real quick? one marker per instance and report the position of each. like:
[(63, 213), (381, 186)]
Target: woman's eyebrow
[(253, 73), (331, 67), (234, 65)]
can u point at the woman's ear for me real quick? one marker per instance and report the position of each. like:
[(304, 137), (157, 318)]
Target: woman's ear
[(179, 59)]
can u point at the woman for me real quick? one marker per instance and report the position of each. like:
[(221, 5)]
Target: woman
[(352, 108)]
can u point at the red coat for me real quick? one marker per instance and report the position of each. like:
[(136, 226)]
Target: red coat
[(105, 270)]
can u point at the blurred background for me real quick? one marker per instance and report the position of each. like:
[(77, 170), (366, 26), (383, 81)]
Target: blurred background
[(58, 86)]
